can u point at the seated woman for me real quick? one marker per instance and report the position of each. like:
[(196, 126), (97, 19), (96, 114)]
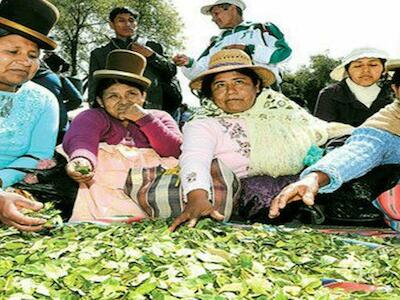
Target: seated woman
[(253, 131), (360, 92), (28, 112), (119, 123), (375, 143)]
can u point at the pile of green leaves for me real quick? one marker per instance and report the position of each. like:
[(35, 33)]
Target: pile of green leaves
[(212, 261)]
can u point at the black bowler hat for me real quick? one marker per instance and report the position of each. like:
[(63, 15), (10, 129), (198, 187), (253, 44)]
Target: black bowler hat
[(31, 19)]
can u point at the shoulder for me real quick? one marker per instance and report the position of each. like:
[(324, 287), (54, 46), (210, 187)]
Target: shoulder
[(93, 114), (36, 92), (160, 114), (102, 49), (337, 88)]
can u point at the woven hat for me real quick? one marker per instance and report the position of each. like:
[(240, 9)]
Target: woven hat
[(31, 19), (231, 60), (340, 73), (206, 10), (125, 65)]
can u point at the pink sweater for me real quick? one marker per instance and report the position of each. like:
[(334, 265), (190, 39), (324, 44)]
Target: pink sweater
[(156, 130)]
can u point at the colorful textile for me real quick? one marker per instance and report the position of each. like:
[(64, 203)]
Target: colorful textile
[(28, 127), (285, 125), (257, 193), (104, 196), (265, 43), (158, 190), (156, 130)]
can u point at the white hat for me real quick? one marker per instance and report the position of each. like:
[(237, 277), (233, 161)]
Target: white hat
[(205, 10), (340, 73)]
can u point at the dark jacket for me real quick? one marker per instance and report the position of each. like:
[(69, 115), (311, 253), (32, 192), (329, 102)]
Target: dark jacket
[(158, 68), (336, 103), (68, 96)]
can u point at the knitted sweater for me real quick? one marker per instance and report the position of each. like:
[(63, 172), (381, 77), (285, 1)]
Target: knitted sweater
[(28, 127), (156, 130)]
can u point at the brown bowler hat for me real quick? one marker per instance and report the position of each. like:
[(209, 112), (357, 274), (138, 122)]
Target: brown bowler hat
[(31, 19), (125, 65)]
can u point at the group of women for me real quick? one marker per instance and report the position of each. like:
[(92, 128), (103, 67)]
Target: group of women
[(260, 135)]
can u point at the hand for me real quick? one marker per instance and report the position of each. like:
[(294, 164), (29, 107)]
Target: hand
[(304, 189), (10, 206), (181, 60), (145, 51), (235, 46), (133, 113), (197, 206), (80, 169)]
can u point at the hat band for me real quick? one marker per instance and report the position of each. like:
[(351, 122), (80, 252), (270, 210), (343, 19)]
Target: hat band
[(31, 32), (227, 64)]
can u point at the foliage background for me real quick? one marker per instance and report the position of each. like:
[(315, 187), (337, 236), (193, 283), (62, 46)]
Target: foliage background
[(83, 26)]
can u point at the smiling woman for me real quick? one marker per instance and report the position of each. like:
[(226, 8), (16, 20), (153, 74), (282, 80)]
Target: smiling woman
[(28, 112)]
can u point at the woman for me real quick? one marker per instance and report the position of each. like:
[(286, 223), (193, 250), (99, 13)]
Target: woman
[(360, 92), (375, 143), (253, 131), (119, 123), (28, 112)]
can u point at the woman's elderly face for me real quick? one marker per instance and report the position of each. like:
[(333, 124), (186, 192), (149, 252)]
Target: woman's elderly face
[(365, 71), (234, 92), (119, 97), (19, 61)]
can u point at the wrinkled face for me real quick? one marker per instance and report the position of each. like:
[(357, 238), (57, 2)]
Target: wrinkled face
[(117, 98), (234, 92), (124, 25), (19, 61), (365, 71), (225, 16)]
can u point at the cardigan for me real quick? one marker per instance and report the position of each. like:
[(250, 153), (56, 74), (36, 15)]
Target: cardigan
[(28, 128), (366, 149), (156, 130)]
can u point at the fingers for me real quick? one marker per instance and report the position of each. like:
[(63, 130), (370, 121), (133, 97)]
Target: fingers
[(287, 195), (27, 228), (192, 222), (22, 202), (308, 198), (216, 215), (183, 217)]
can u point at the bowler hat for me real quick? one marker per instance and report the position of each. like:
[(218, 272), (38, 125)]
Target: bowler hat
[(125, 65), (232, 60), (31, 19)]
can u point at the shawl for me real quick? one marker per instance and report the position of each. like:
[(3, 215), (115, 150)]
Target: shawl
[(388, 118), (280, 132)]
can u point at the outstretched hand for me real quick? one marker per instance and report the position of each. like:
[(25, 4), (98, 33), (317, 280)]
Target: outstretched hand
[(197, 206), (305, 189), (80, 169), (10, 206)]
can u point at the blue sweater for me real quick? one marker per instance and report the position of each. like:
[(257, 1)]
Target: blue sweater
[(28, 126), (366, 149)]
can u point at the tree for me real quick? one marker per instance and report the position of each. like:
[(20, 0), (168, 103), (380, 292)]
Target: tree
[(306, 83), (83, 26)]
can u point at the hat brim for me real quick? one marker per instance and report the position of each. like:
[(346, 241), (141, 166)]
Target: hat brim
[(267, 77), (339, 73), (393, 64), (113, 74), (40, 39), (205, 10)]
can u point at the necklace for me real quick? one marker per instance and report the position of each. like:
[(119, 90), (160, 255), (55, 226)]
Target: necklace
[(6, 104)]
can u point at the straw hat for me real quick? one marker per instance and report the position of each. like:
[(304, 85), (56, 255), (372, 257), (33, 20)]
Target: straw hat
[(31, 19), (232, 60), (206, 10), (340, 73), (125, 65)]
